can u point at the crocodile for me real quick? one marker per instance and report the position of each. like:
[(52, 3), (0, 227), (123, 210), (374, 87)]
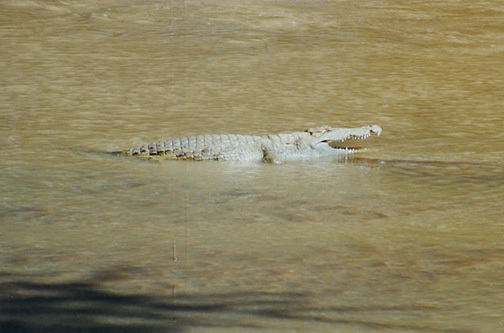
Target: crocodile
[(273, 148)]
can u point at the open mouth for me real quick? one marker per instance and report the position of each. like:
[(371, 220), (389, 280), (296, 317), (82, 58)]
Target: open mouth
[(346, 145)]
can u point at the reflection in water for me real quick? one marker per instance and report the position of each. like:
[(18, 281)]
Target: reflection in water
[(404, 236)]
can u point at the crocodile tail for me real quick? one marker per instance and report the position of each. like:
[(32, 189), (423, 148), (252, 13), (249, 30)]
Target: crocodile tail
[(114, 153), (109, 153)]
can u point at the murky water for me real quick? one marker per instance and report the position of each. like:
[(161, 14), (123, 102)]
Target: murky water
[(405, 236)]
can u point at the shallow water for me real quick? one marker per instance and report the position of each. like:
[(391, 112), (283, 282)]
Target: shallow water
[(407, 235)]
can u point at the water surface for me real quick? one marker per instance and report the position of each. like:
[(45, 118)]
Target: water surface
[(405, 236)]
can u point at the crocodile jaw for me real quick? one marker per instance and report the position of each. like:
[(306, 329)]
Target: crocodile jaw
[(326, 139)]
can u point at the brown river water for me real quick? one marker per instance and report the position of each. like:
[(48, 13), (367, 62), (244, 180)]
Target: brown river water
[(406, 236)]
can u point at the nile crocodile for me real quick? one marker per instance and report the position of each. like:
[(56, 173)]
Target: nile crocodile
[(272, 148)]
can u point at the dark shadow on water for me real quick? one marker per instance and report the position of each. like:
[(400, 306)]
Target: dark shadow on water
[(87, 307), (74, 307)]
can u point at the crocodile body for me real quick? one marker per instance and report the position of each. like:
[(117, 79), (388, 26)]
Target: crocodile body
[(269, 148)]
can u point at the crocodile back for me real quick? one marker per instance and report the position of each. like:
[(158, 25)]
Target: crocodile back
[(227, 147)]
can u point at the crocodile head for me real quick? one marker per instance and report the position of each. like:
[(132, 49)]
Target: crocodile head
[(327, 139)]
